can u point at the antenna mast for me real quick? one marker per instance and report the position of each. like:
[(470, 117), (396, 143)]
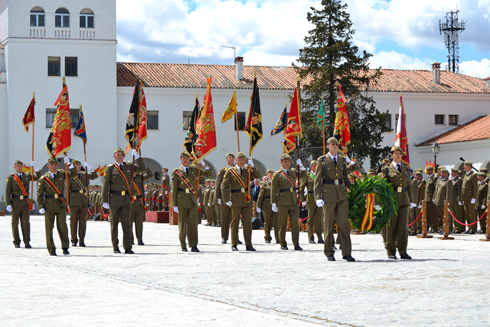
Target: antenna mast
[(451, 29)]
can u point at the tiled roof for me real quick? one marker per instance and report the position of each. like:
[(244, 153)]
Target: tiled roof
[(284, 78), (474, 130)]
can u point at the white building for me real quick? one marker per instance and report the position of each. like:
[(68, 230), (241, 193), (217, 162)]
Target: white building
[(43, 40)]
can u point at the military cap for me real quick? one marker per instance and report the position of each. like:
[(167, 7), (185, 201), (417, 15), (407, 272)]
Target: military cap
[(429, 168), (52, 160), (285, 156), (372, 171), (352, 175), (332, 139), (385, 161), (241, 155), (213, 181), (185, 154), (418, 172), (313, 162), (18, 161), (396, 148), (363, 174), (484, 170), (230, 154), (75, 161), (440, 168), (208, 180), (469, 163), (481, 174), (455, 169), (165, 169), (444, 170), (118, 149), (270, 171)]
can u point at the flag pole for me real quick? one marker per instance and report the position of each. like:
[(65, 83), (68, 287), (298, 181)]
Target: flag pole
[(251, 135), (135, 132), (66, 165), (192, 154), (32, 157), (297, 141), (236, 122), (323, 125), (86, 171)]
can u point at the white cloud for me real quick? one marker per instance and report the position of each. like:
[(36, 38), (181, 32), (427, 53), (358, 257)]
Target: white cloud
[(397, 60), (475, 68)]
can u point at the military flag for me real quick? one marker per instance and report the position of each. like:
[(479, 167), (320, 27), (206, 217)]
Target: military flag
[(230, 109), (401, 139), (29, 115), (190, 137), (26, 169), (342, 127), (294, 124), (254, 122), (136, 131), (80, 130), (281, 122), (102, 170), (320, 118), (59, 139), (205, 127)]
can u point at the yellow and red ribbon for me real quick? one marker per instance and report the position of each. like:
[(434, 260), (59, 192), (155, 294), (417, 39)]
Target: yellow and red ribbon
[(368, 215)]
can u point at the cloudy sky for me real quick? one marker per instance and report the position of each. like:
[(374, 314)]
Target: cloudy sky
[(401, 34)]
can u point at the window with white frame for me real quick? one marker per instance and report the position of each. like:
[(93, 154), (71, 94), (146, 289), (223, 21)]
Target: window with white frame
[(62, 18), (37, 17), (86, 18)]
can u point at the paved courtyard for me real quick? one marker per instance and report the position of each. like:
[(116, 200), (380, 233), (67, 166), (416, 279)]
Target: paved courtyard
[(446, 284)]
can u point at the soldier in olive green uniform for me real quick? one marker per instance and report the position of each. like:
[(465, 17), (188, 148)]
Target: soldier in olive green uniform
[(285, 201), (413, 212), (481, 200), (469, 193), (264, 205), (398, 174), (225, 211), (234, 190), (79, 203), (165, 182), (205, 198), (315, 213), (430, 190), (211, 201), (420, 197), (18, 202), (116, 196), (456, 207), (138, 208), (51, 203), (184, 199), (443, 192)]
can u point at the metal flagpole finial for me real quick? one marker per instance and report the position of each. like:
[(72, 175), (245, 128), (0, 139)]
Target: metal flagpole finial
[(33, 94), (196, 95), (63, 80), (80, 106)]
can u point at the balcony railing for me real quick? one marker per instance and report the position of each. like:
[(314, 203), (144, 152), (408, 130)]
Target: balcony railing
[(38, 32), (87, 34), (62, 33)]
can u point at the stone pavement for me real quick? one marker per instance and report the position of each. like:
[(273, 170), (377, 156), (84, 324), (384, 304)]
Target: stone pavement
[(446, 284)]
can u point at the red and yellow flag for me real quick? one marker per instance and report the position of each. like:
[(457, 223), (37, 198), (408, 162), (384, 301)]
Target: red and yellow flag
[(294, 124), (205, 128), (59, 139), (342, 127), (29, 115), (231, 109), (401, 139)]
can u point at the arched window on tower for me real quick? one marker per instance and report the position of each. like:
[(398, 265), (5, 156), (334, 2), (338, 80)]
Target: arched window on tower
[(62, 18), (37, 16), (86, 18)]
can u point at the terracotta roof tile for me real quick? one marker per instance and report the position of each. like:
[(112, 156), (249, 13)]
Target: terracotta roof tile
[(476, 129), (284, 78)]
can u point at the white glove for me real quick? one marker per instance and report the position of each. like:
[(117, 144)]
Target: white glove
[(319, 203), (377, 207), (209, 204), (166, 192), (229, 203), (9, 208), (42, 211), (412, 205), (473, 201), (259, 210), (300, 164), (135, 154), (347, 159), (88, 166), (433, 201), (250, 162), (483, 207), (33, 165), (219, 201), (304, 203), (203, 164), (460, 203), (176, 209), (66, 160), (105, 205), (420, 206)]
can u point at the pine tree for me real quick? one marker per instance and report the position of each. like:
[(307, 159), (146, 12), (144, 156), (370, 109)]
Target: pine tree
[(330, 57)]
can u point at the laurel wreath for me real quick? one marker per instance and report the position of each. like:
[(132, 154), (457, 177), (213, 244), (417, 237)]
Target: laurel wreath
[(386, 199)]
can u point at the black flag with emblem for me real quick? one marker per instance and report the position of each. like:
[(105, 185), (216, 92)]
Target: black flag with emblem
[(132, 121), (254, 121), (191, 136)]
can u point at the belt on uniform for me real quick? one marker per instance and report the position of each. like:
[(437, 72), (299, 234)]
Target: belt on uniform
[(122, 193), (239, 190), (266, 197), (52, 196), (291, 189), (310, 192), (21, 197), (137, 197), (186, 190), (333, 181), (401, 189), (78, 191)]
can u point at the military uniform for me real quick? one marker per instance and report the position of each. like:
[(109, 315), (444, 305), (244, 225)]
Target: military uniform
[(225, 211), (211, 206), (481, 202), (79, 205), (420, 197), (456, 208), (115, 192), (186, 202), (315, 213), (469, 193), (443, 192), (431, 210), (233, 191), (270, 217), (415, 195), (165, 182), (137, 208), (205, 198), (14, 196), (49, 200)]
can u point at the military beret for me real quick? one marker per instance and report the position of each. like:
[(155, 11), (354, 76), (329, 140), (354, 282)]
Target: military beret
[(459, 171), (75, 161), (468, 163), (208, 180), (444, 170), (285, 156), (484, 170), (454, 169), (270, 171), (481, 174), (440, 168), (185, 154), (385, 161), (230, 154), (241, 155), (396, 148), (372, 171), (429, 168), (118, 149), (352, 175), (213, 181), (418, 172), (332, 139), (18, 161), (313, 162), (52, 160)]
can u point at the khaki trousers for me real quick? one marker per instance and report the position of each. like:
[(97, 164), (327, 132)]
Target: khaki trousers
[(245, 214), (457, 211), (271, 220), (217, 210), (337, 211), (314, 219), (432, 216), (188, 226), (121, 214), (78, 222), (397, 233), (483, 221), (292, 212), (137, 218), (49, 218), (470, 214), (225, 221), (21, 214)]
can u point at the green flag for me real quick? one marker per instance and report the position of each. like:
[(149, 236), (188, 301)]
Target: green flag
[(320, 118)]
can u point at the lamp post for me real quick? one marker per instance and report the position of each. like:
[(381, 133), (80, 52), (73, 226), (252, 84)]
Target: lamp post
[(435, 150)]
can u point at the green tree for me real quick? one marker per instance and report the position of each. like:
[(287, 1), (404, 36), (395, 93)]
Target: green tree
[(330, 57)]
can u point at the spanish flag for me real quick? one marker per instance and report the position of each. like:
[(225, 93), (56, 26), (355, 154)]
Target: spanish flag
[(29, 115), (254, 122), (59, 139), (231, 109), (294, 123), (342, 129), (205, 127)]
